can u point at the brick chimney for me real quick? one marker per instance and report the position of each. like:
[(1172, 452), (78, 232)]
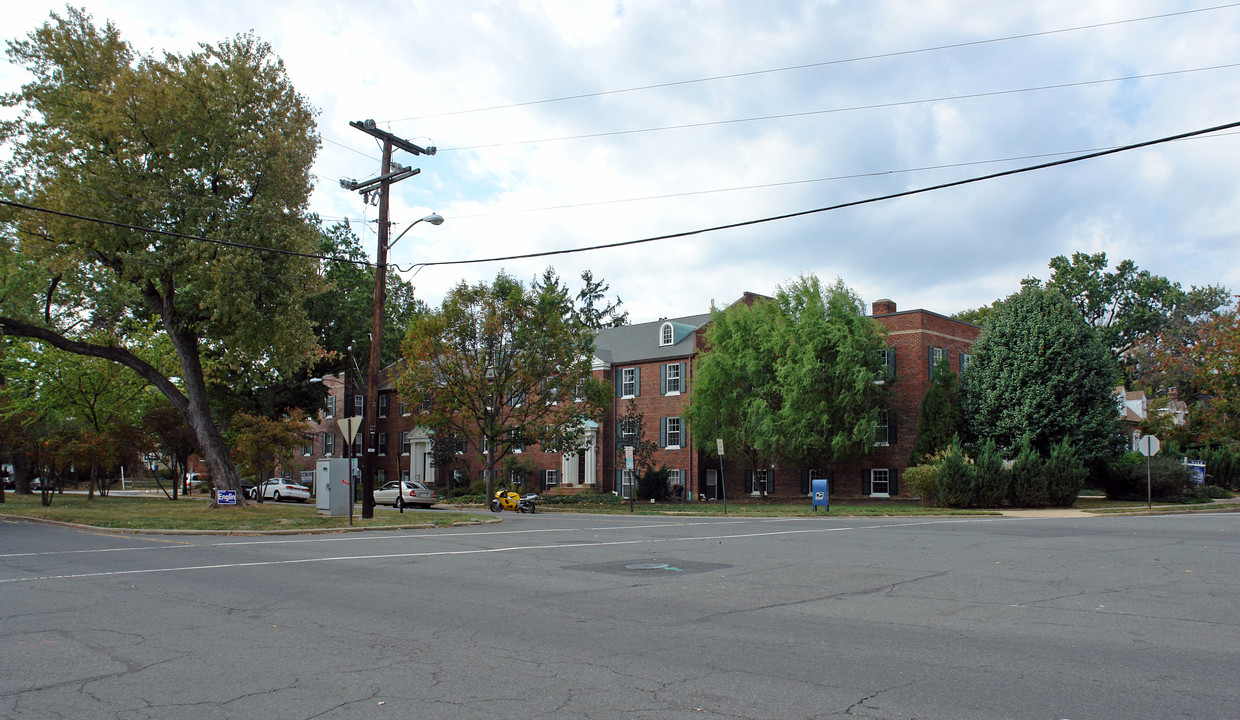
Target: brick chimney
[(883, 307)]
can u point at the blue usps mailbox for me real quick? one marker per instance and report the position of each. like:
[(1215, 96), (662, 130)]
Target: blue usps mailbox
[(820, 493)]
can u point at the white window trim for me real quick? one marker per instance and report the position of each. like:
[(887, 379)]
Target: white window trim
[(667, 335), (679, 430), (888, 481), (623, 382), (668, 378), (883, 416)]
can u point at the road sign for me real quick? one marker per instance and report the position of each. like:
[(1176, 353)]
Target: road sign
[(349, 427), (628, 457), (719, 446), (1148, 445)]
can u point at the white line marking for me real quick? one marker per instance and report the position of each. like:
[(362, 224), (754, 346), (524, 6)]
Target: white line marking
[(484, 551)]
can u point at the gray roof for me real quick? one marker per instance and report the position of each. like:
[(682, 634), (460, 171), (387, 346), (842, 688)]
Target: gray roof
[(639, 343)]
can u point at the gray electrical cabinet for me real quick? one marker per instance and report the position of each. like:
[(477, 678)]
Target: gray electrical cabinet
[(332, 487)]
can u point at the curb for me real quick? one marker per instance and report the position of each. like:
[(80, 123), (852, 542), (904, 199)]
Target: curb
[(240, 533)]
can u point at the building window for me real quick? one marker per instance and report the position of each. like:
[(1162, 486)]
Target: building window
[(331, 406), (357, 445), (811, 476), (628, 432), (887, 369), (329, 444), (380, 478), (308, 449), (672, 379), (936, 354), (384, 400), (964, 361), (627, 478), (881, 430), (383, 443), (551, 477), (402, 406), (764, 481), (404, 475), (628, 382), (359, 404), (671, 432), (406, 444), (579, 391), (666, 335), (880, 483)]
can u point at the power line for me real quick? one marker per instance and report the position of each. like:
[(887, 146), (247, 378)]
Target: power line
[(712, 123), (183, 236), (805, 66), (786, 183), (840, 206)]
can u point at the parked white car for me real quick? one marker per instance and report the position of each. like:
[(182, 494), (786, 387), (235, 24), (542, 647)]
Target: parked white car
[(279, 489), (403, 493)]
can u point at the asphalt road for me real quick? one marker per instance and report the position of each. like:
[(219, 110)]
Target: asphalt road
[(572, 616)]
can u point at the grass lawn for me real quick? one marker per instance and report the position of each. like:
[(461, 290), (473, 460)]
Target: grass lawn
[(193, 513), (750, 508)]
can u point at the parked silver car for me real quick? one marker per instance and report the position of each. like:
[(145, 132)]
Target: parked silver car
[(278, 489), (403, 493)]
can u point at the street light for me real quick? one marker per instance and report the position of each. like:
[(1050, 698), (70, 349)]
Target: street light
[(433, 219), (371, 411)]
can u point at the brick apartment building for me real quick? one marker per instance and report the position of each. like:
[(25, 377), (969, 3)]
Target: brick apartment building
[(651, 365)]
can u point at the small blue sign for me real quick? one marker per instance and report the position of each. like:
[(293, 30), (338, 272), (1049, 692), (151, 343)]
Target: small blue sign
[(226, 497)]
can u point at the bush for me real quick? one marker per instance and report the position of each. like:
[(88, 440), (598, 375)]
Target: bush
[(1028, 487), (1215, 492), (923, 481), (652, 484), (993, 481), (583, 498), (1168, 478), (1065, 474), (956, 479)]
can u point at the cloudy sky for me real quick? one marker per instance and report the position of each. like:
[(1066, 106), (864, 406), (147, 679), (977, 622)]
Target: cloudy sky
[(570, 123)]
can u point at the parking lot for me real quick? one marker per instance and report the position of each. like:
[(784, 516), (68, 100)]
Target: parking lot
[(602, 616)]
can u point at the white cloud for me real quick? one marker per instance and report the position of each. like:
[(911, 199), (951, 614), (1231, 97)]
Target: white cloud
[(1171, 209)]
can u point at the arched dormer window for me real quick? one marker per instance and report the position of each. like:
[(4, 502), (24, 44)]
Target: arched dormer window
[(665, 334)]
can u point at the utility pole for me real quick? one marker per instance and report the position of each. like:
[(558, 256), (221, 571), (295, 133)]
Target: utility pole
[(379, 184)]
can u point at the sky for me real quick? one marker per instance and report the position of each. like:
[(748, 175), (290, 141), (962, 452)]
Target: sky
[(564, 124)]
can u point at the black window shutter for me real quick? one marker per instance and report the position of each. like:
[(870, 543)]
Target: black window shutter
[(931, 375), (637, 381), (748, 481), (684, 377), (662, 432), (895, 483), (865, 482), (891, 427), (805, 482), (891, 361), (662, 379), (618, 379)]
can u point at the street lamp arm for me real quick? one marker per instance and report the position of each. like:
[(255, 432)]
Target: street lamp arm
[(433, 219)]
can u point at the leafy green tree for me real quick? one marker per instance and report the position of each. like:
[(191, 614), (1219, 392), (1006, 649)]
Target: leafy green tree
[(1127, 304), (504, 366), (1208, 359), (1065, 474), (173, 441), (956, 478), (791, 378), (993, 479), (1039, 374), (262, 443), (940, 418), (736, 393), (1028, 487), (830, 356), (214, 143)]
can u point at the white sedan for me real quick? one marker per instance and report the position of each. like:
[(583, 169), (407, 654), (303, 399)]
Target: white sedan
[(278, 489), (403, 493)]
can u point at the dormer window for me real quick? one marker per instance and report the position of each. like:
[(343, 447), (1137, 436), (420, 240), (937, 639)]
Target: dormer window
[(665, 334)]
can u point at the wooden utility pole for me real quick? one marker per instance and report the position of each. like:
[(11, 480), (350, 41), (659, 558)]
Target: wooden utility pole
[(379, 184)]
